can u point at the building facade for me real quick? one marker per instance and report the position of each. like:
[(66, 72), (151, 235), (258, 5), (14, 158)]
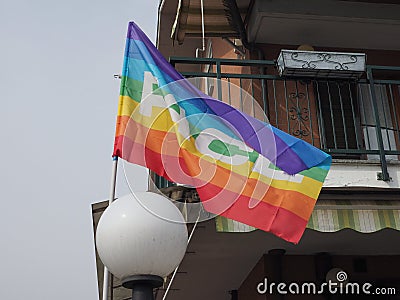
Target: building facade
[(328, 72)]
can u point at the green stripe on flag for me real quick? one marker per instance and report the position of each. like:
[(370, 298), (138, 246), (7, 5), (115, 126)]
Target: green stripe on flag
[(132, 88), (315, 173)]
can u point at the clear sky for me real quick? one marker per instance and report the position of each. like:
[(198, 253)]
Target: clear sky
[(57, 116)]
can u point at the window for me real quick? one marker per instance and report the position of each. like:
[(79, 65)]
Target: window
[(386, 114), (339, 116)]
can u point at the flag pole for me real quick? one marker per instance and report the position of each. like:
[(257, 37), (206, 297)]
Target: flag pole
[(106, 283)]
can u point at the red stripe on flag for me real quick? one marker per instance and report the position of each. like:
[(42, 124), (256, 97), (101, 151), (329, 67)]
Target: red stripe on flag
[(264, 216), (175, 169)]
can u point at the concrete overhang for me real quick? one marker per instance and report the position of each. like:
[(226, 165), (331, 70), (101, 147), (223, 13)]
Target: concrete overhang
[(326, 23)]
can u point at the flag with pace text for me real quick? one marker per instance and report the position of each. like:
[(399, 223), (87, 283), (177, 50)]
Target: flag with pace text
[(243, 169)]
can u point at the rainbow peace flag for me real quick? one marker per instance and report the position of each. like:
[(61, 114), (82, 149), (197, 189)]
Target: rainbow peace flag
[(242, 168)]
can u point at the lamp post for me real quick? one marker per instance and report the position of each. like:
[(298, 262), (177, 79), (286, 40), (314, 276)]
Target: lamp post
[(141, 238)]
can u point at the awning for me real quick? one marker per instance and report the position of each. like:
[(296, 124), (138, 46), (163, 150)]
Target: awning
[(334, 215)]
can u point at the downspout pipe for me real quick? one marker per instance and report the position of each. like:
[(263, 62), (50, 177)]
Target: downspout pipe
[(233, 46), (235, 20)]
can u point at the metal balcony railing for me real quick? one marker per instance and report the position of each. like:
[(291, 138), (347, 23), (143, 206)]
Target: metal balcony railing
[(349, 119)]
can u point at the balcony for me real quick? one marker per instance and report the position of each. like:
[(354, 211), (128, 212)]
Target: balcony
[(356, 121), (326, 23)]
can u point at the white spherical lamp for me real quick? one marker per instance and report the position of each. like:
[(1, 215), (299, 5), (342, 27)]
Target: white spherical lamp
[(141, 238)]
